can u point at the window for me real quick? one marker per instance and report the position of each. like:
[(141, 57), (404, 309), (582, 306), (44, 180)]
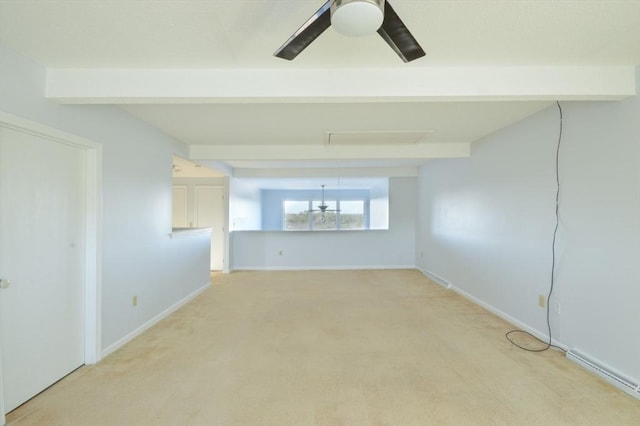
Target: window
[(328, 219), (352, 214), (363, 205), (304, 215), (296, 215)]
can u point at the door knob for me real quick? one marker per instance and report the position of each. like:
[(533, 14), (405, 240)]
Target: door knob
[(4, 283)]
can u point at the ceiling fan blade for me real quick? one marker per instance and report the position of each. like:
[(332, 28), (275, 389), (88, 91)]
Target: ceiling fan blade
[(309, 31), (396, 34)]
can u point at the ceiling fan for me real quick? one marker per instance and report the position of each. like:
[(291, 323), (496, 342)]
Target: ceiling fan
[(323, 208), (354, 18)]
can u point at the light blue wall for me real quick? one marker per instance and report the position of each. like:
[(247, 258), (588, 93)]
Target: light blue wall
[(485, 225), (245, 212), (138, 257), (392, 248)]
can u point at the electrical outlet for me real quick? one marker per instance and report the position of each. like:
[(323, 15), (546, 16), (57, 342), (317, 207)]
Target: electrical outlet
[(280, 252), (542, 300), (134, 302), (558, 308)]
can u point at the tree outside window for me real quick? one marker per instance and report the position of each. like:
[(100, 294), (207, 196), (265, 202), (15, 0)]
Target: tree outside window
[(305, 215), (296, 215), (352, 214)]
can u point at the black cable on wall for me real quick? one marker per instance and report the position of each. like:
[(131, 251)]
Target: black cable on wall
[(548, 344)]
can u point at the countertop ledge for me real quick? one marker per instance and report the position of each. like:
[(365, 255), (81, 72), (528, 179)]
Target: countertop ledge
[(187, 232)]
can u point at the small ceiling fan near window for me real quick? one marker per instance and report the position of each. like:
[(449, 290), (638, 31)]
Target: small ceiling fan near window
[(355, 18), (323, 207)]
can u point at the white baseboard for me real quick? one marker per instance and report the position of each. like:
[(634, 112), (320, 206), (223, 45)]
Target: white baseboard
[(630, 386), (321, 268), (515, 322), (153, 321)]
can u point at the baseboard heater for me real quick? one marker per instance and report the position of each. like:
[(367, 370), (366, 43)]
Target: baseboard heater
[(436, 279), (615, 379)]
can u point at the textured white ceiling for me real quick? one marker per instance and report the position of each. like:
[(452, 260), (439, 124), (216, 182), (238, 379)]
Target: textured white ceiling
[(240, 35), (245, 33), (308, 123)]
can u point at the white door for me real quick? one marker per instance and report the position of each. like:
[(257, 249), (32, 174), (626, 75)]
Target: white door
[(42, 257), (210, 213)]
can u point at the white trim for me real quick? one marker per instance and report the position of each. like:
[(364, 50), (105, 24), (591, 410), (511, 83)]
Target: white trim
[(32, 127), (517, 323), (93, 234), (187, 232), (321, 268), (153, 321), (609, 374), (93, 259), (502, 315), (522, 326)]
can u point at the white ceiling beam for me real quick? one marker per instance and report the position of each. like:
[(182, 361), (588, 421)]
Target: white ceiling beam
[(327, 152), (134, 86), (219, 166), (311, 172)]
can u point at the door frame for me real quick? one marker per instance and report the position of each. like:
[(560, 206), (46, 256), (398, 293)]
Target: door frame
[(93, 233)]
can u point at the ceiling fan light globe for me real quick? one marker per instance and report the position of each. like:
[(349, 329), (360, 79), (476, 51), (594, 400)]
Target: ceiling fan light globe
[(357, 18)]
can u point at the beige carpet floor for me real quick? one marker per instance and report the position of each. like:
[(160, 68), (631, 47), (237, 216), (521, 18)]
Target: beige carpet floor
[(329, 348)]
